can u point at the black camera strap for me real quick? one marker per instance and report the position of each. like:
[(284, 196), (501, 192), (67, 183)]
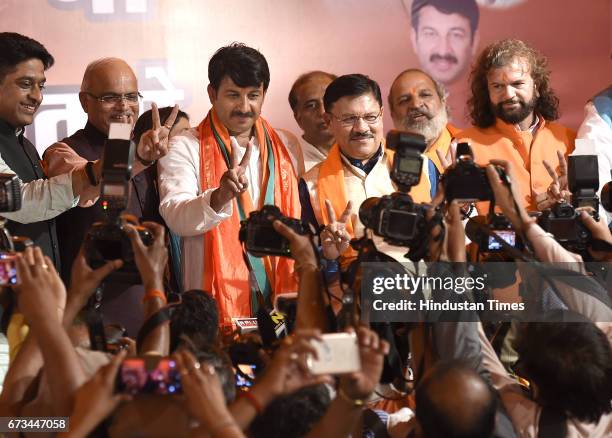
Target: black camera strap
[(162, 316)]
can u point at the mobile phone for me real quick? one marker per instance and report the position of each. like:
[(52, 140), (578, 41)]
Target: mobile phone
[(149, 375), (508, 235), (245, 375), (8, 270), (337, 353)]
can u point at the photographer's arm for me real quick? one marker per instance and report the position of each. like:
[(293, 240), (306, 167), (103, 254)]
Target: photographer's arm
[(42, 299), (84, 282), (22, 371), (345, 411), (284, 374), (151, 262), (310, 305), (546, 248), (43, 199), (185, 209)]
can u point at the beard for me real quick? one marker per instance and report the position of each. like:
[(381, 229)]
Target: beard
[(430, 127), (517, 115)]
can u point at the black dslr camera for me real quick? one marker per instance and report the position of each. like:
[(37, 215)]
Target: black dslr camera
[(107, 240), (500, 225), (10, 192), (407, 161), (465, 180), (606, 196), (562, 220), (395, 217), (261, 239)]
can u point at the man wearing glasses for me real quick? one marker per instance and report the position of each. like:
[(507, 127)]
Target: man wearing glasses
[(356, 168), (109, 94), (23, 62)]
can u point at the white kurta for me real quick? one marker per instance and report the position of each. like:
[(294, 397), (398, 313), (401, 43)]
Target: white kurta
[(186, 209)]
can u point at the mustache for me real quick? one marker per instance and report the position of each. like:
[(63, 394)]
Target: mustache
[(501, 104), (362, 135), (419, 112), (448, 58), (241, 114)]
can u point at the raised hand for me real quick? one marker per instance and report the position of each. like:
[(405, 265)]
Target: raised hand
[(449, 159), (154, 143), (558, 190), (301, 247), (334, 237), (203, 392), (359, 385), (599, 230), (96, 399), (40, 292), (505, 197), (287, 371), (151, 260), (234, 181)]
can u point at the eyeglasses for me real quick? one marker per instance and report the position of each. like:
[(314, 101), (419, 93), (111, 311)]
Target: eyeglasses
[(116, 98), (370, 119)]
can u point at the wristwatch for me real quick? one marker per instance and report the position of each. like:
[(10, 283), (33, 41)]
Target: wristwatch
[(144, 162)]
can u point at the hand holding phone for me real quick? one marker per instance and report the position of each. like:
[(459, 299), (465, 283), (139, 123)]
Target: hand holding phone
[(337, 353)]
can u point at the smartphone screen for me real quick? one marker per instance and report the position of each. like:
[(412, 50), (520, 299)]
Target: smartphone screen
[(8, 270), (149, 376), (508, 235), (245, 375)]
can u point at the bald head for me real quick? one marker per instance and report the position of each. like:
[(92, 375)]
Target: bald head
[(455, 402), (104, 79)]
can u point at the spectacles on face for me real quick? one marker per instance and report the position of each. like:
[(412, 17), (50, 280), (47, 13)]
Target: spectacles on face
[(112, 99), (348, 121)]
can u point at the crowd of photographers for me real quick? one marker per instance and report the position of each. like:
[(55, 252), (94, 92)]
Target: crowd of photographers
[(239, 356)]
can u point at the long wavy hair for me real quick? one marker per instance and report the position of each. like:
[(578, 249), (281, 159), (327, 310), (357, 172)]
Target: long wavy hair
[(499, 54)]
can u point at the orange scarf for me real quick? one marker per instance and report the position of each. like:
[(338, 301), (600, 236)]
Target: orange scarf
[(442, 144), (330, 185), (226, 275)]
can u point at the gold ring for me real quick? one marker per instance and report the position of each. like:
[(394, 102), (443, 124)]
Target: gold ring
[(45, 266), (169, 128)]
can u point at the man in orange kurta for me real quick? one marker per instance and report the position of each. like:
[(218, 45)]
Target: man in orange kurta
[(513, 111)]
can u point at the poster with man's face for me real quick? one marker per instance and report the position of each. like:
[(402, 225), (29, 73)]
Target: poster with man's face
[(168, 43), (445, 36)]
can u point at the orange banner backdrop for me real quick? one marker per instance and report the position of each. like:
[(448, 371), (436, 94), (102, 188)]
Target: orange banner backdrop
[(169, 43)]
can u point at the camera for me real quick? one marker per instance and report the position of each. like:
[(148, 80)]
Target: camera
[(107, 240), (10, 192), (562, 220), (583, 180), (465, 180), (497, 223), (148, 375), (261, 239), (606, 196), (395, 217), (407, 160)]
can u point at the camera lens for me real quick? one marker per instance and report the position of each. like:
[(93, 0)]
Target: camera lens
[(366, 212)]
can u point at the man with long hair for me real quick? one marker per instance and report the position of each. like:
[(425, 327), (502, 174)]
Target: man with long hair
[(513, 110)]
